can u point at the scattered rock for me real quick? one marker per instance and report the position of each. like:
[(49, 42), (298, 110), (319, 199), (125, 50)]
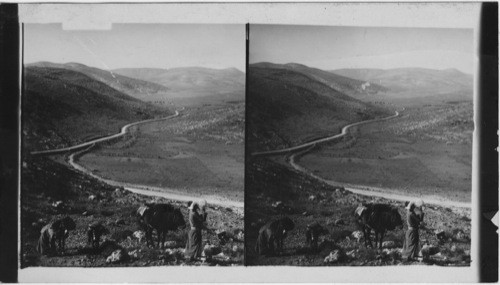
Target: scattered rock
[(351, 254), (119, 255), (58, 205), (170, 244), (453, 248), (174, 254), (334, 256), (358, 235), (134, 254), (139, 235), (86, 213), (211, 250), (428, 250), (388, 244), (312, 198), (240, 235), (277, 204), (305, 213), (460, 235), (92, 197), (120, 222)]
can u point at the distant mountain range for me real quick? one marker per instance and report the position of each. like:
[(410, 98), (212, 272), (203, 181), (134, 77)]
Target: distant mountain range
[(62, 106), (293, 103), (191, 81), (421, 81)]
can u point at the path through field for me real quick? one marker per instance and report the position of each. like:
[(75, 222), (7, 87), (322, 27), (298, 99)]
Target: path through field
[(168, 193), (361, 190)]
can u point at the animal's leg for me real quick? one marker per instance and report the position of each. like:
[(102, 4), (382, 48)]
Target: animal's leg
[(368, 240), (270, 244), (381, 238)]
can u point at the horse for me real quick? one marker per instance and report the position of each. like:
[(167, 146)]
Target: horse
[(272, 234), (162, 218), (379, 218)]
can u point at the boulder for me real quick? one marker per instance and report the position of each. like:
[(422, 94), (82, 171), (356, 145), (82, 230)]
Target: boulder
[(211, 250), (388, 244), (358, 235), (428, 250), (170, 244), (139, 235), (277, 204), (58, 204), (92, 197), (313, 198), (119, 255), (334, 257)]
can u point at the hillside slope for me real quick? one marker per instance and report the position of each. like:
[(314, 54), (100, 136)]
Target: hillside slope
[(192, 81), (289, 107), (425, 81), (133, 87), (344, 84), (62, 107)]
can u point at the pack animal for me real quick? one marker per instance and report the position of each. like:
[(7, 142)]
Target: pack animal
[(313, 232), (272, 234), (94, 233), (162, 218), (55, 232), (379, 218)]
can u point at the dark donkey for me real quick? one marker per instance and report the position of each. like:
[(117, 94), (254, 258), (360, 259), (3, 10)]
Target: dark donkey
[(273, 233), (377, 217), (162, 218)]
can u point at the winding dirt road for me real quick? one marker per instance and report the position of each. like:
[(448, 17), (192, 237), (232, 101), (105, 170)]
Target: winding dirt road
[(361, 190), (168, 193)]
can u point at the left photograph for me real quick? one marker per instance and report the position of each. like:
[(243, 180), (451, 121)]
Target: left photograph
[(132, 145)]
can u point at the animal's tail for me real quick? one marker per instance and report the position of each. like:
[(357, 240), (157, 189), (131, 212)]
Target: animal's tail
[(260, 245)]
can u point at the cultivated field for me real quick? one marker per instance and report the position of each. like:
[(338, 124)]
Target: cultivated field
[(426, 151), (200, 153)]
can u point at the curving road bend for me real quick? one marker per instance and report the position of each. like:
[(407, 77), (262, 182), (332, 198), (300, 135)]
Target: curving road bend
[(168, 193), (361, 190), (122, 132), (344, 131)]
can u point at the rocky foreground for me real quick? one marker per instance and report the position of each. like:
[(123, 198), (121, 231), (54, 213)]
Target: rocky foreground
[(274, 190), (51, 190)]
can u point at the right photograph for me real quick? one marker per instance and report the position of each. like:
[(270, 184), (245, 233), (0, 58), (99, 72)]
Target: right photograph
[(359, 146)]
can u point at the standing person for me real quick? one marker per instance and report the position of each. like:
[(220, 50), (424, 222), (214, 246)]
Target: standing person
[(411, 246), (197, 222)]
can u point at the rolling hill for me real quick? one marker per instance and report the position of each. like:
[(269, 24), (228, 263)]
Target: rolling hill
[(291, 105), (133, 87), (61, 107), (346, 85), (416, 82), (192, 81)]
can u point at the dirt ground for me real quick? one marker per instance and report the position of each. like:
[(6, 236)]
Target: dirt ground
[(425, 151), (86, 200), (201, 152), (307, 200)]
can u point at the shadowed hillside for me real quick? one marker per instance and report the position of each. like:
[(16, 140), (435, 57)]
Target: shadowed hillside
[(349, 86), (134, 87), (408, 80), (289, 107), (62, 107), (192, 81)]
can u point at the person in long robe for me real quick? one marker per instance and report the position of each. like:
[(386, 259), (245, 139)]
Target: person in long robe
[(197, 222), (411, 245)]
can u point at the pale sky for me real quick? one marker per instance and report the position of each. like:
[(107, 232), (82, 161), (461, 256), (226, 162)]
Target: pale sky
[(138, 45), (356, 47)]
